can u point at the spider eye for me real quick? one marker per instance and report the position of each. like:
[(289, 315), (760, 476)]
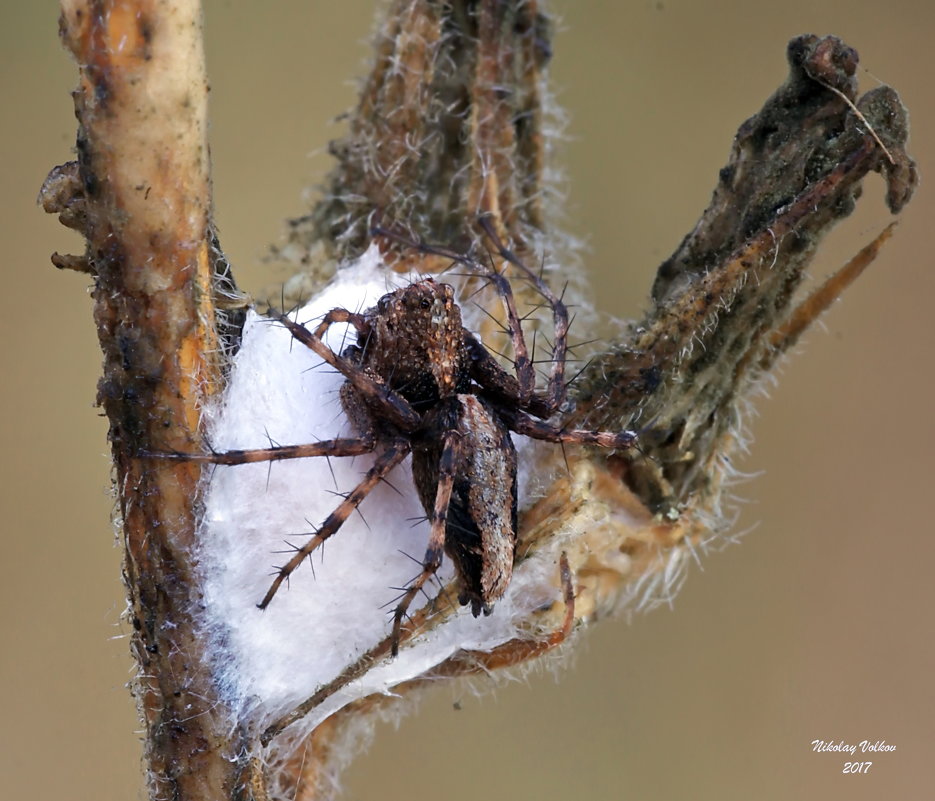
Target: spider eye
[(425, 303)]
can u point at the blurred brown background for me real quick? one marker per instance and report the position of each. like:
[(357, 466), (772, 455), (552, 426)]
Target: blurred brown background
[(818, 626)]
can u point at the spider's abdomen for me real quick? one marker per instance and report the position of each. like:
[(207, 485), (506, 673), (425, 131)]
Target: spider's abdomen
[(480, 536)]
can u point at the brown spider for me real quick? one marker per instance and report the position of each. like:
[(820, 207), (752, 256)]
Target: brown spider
[(419, 382)]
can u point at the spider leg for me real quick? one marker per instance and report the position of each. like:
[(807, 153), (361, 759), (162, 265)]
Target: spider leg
[(436, 547), (392, 456), (522, 423), (525, 374), (555, 395), (568, 596), (394, 406), (327, 447), (422, 247), (519, 650), (515, 651)]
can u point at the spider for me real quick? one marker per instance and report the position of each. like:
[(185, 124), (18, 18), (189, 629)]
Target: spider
[(417, 381)]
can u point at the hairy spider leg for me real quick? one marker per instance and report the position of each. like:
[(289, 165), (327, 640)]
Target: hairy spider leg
[(518, 650), (555, 396), (522, 423), (494, 380), (525, 373), (521, 649), (436, 547), (385, 462), (568, 596), (326, 447), (396, 408)]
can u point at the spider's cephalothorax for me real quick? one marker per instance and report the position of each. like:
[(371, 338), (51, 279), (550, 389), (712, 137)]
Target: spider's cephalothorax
[(418, 382), (413, 338)]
